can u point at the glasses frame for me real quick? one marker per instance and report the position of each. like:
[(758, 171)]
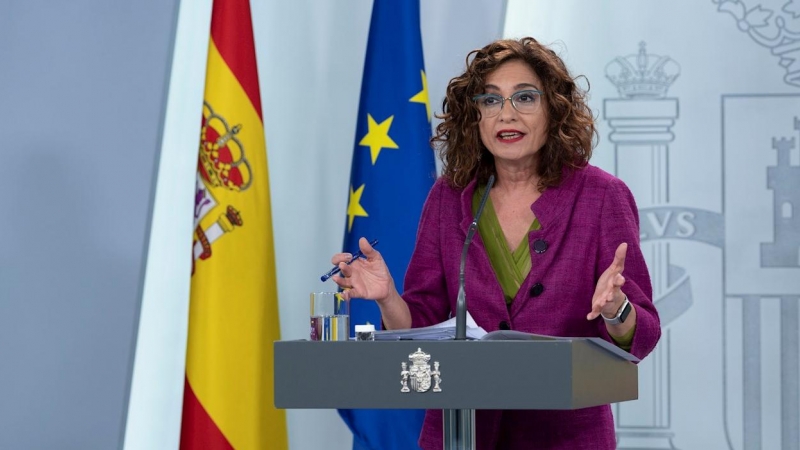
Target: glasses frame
[(503, 100)]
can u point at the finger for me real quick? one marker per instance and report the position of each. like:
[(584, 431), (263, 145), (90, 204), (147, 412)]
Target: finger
[(351, 292), (341, 277), (345, 270), (341, 281), (619, 257), (599, 303), (597, 306), (619, 281), (607, 292), (339, 257), (366, 249)]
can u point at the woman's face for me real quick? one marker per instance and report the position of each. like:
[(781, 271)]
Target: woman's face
[(511, 136)]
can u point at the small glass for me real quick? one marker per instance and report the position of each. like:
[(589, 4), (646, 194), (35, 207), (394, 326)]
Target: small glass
[(330, 317)]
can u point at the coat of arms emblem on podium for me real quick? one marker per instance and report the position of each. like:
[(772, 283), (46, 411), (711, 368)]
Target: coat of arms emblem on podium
[(419, 375)]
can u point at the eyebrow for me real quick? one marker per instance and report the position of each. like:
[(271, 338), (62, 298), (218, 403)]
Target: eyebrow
[(516, 88)]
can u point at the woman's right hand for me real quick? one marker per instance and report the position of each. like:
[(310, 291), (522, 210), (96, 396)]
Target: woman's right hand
[(367, 277)]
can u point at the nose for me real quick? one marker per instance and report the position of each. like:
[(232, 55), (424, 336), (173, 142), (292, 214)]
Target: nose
[(507, 114)]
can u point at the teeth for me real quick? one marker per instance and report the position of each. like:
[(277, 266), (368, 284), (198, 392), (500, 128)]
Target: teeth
[(508, 135)]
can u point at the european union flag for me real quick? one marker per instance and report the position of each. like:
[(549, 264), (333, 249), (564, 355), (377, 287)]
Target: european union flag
[(393, 170)]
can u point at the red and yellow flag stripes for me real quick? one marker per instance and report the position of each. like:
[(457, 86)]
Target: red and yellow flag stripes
[(233, 314)]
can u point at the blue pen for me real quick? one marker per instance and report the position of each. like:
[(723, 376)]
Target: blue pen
[(336, 269)]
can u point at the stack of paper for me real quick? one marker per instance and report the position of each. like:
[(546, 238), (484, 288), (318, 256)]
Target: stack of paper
[(440, 332), (447, 331)]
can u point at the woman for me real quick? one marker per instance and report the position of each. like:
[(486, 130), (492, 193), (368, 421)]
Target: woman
[(558, 247)]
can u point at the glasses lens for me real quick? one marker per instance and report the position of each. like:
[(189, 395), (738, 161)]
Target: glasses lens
[(526, 101), (489, 104)]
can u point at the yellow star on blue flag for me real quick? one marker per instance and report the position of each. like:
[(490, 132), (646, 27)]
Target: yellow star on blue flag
[(354, 207), (422, 96), (378, 137)]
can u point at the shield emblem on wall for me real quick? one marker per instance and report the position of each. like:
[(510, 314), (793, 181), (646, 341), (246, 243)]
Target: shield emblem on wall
[(761, 310)]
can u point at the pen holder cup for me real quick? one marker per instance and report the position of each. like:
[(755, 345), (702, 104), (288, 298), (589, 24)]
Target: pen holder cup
[(365, 332), (330, 317)]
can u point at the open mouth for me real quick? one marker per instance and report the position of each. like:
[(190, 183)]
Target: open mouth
[(509, 136)]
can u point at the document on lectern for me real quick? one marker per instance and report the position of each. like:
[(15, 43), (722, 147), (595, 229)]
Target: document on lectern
[(444, 331), (447, 331), (511, 335)]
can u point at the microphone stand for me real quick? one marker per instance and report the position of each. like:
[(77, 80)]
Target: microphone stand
[(461, 300), (459, 424)]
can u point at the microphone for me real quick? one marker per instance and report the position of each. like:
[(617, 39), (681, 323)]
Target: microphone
[(461, 301)]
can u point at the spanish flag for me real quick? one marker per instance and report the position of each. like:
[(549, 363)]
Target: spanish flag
[(233, 312)]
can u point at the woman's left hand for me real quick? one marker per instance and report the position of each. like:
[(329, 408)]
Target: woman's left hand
[(608, 296)]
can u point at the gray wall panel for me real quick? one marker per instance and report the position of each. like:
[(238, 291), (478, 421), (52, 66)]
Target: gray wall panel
[(82, 87)]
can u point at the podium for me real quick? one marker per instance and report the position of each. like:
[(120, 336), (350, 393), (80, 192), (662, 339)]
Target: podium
[(557, 373)]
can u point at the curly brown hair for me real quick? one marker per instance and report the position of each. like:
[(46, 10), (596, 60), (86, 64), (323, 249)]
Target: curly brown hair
[(571, 133)]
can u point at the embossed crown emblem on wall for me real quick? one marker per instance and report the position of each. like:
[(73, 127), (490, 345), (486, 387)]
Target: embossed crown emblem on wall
[(774, 24), (222, 159), (642, 75)]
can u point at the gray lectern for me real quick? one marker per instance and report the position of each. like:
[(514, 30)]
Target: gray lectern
[(455, 376)]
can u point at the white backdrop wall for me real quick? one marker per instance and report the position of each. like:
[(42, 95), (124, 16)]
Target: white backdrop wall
[(82, 92), (720, 224), (713, 164), (311, 57)]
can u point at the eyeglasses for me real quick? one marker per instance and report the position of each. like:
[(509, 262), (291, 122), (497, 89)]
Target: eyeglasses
[(526, 102)]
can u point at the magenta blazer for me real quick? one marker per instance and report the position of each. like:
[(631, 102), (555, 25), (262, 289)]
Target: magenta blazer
[(582, 222)]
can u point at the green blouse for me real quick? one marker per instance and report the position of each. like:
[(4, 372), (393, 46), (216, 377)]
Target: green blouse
[(512, 267)]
